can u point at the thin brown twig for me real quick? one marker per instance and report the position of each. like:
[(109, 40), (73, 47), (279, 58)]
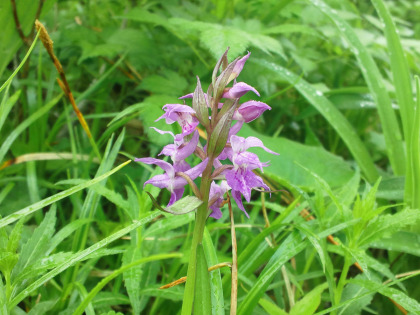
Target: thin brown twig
[(17, 23), (234, 288), (25, 39), (184, 279)]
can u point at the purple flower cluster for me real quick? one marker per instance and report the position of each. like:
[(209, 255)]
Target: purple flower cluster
[(221, 116)]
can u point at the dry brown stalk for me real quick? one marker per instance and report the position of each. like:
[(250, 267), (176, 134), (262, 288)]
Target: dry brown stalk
[(62, 82)]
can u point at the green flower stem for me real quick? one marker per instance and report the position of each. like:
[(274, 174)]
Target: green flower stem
[(343, 280), (200, 224)]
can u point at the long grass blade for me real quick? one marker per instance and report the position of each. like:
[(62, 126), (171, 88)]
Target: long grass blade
[(25, 124), (332, 115), (54, 198), (404, 92), (373, 77)]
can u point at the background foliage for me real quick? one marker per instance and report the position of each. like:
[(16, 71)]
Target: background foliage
[(339, 78)]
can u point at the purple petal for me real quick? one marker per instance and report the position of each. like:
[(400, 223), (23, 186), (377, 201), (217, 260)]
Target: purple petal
[(187, 149), (239, 89), (173, 112), (250, 111), (181, 166), (238, 199), (169, 150), (190, 95), (160, 181), (238, 67), (235, 128), (216, 213), (251, 160), (197, 170), (168, 168), (236, 179), (175, 196), (240, 144)]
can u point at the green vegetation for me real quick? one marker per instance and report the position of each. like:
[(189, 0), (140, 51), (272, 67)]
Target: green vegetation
[(340, 233)]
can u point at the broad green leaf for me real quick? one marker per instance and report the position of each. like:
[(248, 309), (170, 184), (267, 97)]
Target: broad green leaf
[(183, 206), (202, 296), (332, 115), (43, 307), (271, 308), (310, 302), (37, 245), (315, 159), (132, 277)]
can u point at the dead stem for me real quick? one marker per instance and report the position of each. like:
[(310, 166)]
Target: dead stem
[(48, 44)]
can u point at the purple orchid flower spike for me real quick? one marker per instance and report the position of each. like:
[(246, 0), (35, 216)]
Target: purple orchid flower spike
[(216, 198), (169, 180), (238, 90), (237, 174), (183, 114), (250, 111)]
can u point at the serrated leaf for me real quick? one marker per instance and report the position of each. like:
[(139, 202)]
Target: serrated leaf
[(132, 277), (65, 232), (387, 224), (43, 307), (103, 299), (37, 245), (44, 264), (14, 237), (410, 304), (315, 241)]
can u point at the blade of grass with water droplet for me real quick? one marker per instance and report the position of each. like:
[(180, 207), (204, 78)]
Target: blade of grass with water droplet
[(377, 87), (332, 115), (404, 93)]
